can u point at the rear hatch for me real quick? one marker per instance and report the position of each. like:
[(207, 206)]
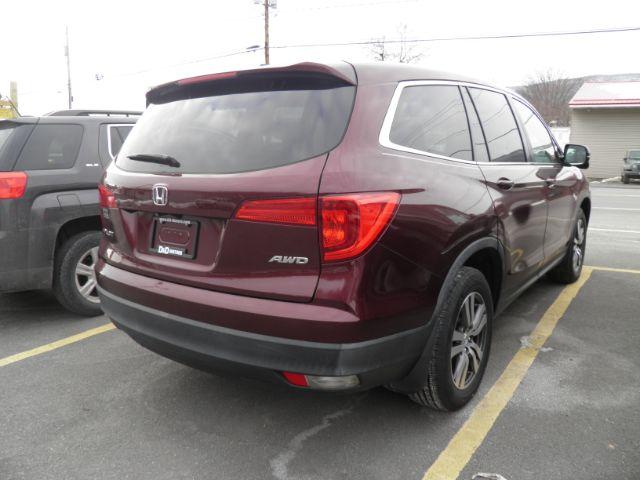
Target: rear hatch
[(216, 185)]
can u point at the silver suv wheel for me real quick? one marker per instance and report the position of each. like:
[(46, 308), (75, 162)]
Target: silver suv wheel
[(86, 277)]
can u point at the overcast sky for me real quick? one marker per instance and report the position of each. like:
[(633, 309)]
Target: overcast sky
[(135, 44)]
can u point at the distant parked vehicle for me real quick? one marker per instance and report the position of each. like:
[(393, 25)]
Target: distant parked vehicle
[(50, 167), (631, 166)]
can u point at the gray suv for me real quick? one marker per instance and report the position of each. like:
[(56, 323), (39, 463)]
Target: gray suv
[(50, 167), (631, 166)]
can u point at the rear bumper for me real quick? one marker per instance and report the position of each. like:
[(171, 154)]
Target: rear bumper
[(213, 347)]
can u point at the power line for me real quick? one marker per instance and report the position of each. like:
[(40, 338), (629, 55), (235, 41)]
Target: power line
[(461, 38)]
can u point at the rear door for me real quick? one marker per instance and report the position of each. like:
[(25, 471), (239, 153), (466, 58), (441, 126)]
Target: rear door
[(561, 182), (234, 209), (517, 187)]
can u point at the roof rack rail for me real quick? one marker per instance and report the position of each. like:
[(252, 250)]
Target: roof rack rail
[(90, 113)]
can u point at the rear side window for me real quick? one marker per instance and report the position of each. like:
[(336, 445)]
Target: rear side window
[(542, 147), (240, 132), (51, 147), (499, 125), (116, 137), (432, 119)]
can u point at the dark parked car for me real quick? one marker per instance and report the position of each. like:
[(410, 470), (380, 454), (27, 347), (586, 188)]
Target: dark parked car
[(631, 166), (336, 227), (50, 167)]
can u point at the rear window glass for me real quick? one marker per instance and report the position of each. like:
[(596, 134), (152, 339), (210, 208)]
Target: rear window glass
[(239, 132), (12, 138), (499, 125), (432, 119), (51, 147)]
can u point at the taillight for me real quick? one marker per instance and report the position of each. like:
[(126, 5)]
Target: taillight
[(12, 185), (351, 223), (292, 211), (107, 198)]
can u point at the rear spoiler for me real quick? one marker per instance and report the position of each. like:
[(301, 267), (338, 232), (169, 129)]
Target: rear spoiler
[(247, 80)]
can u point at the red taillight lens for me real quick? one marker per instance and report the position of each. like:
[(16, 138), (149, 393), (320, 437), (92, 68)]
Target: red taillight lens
[(351, 223), (292, 211), (107, 198), (12, 185)]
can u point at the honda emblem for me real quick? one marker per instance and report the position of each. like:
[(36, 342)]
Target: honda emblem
[(160, 195)]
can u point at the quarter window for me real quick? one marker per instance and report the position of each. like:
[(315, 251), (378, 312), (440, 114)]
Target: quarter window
[(539, 138), (117, 136), (51, 147), (432, 119), (499, 125)]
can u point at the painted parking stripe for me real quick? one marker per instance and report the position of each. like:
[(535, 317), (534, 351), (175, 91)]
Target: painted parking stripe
[(592, 229), (618, 270), (55, 345), (463, 445), (624, 209)]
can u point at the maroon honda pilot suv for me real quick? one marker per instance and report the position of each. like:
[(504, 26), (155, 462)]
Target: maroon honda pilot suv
[(336, 227)]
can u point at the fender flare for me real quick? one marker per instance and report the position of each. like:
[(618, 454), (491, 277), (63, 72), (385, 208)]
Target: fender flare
[(414, 380)]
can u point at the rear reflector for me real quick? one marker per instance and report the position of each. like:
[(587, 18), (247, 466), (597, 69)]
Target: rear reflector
[(322, 382), (351, 223), (296, 379), (292, 211), (12, 185), (107, 198)]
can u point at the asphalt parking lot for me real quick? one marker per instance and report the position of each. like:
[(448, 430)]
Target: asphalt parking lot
[(101, 407)]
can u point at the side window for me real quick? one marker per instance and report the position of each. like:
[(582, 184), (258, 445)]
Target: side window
[(116, 137), (480, 152), (51, 147), (431, 118), (539, 138), (499, 125)]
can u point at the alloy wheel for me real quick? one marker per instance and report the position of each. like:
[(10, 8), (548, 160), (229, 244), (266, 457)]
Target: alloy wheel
[(85, 275), (469, 340), (578, 245)]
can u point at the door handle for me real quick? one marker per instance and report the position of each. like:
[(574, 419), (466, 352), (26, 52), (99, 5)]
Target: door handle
[(505, 183)]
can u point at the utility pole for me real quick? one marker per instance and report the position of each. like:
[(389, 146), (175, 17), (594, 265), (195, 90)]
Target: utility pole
[(266, 32), (66, 53), (266, 4)]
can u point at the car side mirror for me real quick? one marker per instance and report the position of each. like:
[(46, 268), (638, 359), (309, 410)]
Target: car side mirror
[(576, 155)]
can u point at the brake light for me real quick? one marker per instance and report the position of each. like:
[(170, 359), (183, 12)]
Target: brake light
[(292, 211), (107, 198), (12, 185), (351, 223)]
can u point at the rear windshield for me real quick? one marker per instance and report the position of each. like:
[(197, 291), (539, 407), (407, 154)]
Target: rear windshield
[(240, 132), (12, 138)]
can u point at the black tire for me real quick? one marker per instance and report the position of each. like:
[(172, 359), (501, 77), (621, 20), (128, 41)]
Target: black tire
[(567, 272), (625, 179), (65, 286), (439, 391)]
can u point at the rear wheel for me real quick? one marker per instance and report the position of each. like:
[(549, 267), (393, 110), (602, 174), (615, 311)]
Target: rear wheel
[(569, 270), (462, 344), (74, 280)]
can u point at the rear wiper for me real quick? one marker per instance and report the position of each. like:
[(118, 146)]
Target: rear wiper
[(155, 158)]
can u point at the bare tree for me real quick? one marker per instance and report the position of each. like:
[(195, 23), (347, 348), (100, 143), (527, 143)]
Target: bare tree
[(396, 51), (550, 92)]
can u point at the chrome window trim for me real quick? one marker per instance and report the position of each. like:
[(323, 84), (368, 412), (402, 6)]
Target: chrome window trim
[(113, 125), (385, 141)]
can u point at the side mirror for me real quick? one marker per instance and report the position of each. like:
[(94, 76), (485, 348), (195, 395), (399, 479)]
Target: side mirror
[(576, 155)]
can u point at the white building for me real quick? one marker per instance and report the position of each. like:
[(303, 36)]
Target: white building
[(605, 116)]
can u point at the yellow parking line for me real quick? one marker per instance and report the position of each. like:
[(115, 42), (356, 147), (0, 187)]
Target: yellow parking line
[(471, 435), (619, 270), (57, 344)]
